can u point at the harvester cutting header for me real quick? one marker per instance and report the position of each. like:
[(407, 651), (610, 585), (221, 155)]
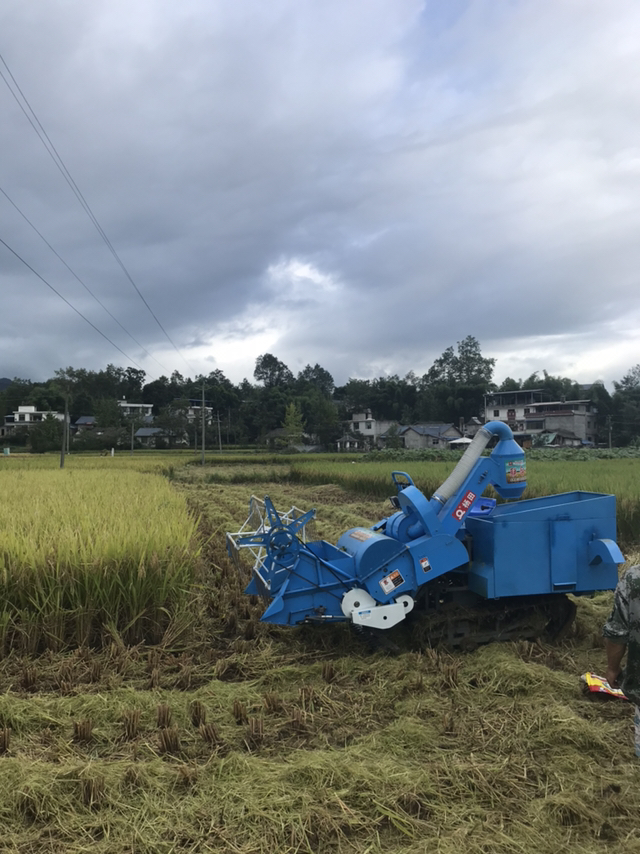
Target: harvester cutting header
[(452, 553)]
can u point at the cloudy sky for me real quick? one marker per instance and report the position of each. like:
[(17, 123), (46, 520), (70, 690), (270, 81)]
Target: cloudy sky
[(358, 183)]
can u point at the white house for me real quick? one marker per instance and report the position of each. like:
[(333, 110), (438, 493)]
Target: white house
[(27, 416), (194, 413), (135, 410), (363, 432)]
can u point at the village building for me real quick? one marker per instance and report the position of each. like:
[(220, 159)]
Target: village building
[(366, 433), (194, 412), (363, 432), (135, 410), (83, 423), (417, 437), (26, 417), (147, 436), (530, 416)]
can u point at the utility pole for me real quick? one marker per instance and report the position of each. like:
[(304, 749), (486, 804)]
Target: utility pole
[(202, 426), (132, 438), (64, 431), (609, 426), (219, 434)]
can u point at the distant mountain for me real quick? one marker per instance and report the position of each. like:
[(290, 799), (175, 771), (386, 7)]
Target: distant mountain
[(4, 382)]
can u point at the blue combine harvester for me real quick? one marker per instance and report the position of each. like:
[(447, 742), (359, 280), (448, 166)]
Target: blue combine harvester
[(478, 570)]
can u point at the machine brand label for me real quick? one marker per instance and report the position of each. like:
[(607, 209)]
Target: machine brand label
[(424, 563), (390, 582), (361, 534), (461, 510), (516, 471)]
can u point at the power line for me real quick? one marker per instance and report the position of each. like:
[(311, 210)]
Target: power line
[(57, 159), (64, 299), (75, 275)]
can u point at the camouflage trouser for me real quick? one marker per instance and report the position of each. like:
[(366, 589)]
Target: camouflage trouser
[(636, 723)]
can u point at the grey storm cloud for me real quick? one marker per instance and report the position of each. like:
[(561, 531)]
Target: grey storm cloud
[(359, 184)]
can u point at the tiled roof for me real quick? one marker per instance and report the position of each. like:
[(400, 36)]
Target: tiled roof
[(436, 430)]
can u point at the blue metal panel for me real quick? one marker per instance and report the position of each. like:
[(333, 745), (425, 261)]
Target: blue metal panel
[(382, 565), (563, 554), (433, 556), (545, 545)]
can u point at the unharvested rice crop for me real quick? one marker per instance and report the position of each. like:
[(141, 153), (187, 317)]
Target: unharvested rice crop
[(164, 462), (85, 554)]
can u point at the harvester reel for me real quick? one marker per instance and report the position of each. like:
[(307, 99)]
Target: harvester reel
[(282, 545)]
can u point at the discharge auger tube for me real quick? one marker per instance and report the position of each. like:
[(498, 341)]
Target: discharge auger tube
[(470, 457), (461, 472)]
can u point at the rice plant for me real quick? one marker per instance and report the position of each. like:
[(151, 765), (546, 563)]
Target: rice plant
[(86, 555)]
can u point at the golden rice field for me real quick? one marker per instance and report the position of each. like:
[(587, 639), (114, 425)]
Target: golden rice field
[(154, 462), (88, 553), (232, 736)]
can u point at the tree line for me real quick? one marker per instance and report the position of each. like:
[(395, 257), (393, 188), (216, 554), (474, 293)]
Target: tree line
[(453, 389)]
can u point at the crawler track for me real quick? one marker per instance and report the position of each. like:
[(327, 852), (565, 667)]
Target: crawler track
[(468, 625)]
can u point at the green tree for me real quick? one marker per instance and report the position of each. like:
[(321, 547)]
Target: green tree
[(556, 388), (510, 384), (393, 440), (269, 409), (630, 382), (293, 424), (173, 419), (468, 367), (160, 393), (15, 395), (321, 418), (455, 385), (220, 394), (131, 385), (354, 396), (626, 407), (86, 388), (317, 378), (392, 396), (271, 372), (108, 413), (604, 406), (473, 369), (46, 435)]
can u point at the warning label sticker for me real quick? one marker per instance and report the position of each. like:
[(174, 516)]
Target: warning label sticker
[(392, 581), (362, 534), (516, 471), (424, 563), (464, 505)]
